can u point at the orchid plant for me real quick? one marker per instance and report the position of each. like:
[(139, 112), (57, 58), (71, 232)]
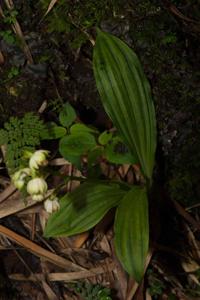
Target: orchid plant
[(126, 97)]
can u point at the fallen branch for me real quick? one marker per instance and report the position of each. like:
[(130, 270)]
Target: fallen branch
[(65, 276), (39, 251)]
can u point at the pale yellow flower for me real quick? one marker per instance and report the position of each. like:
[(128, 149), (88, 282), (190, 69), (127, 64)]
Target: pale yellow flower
[(18, 178), (37, 187), (38, 197), (51, 205), (39, 158)]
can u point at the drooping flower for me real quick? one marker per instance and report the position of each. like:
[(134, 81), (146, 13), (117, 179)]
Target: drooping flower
[(18, 178), (39, 158), (38, 197), (37, 188), (51, 205)]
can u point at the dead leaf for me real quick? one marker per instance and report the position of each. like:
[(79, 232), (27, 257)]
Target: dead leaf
[(51, 5), (49, 292), (7, 192), (68, 277), (38, 250)]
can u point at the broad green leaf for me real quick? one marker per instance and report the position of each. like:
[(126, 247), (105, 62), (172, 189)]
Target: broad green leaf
[(79, 128), (67, 115), (83, 208), (105, 137), (117, 152), (126, 96), (132, 232), (52, 131), (77, 144)]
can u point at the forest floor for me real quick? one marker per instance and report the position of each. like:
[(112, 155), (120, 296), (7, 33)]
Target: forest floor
[(46, 61)]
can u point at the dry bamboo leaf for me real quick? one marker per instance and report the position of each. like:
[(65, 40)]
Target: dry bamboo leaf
[(148, 296), (32, 210), (186, 215), (7, 192), (195, 245), (105, 246), (190, 266), (123, 170), (21, 277), (14, 204), (121, 280), (18, 31), (68, 277), (43, 107), (82, 274), (59, 162), (120, 283), (64, 243), (179, 14), (49, 292), (51, 5), (80, 239), (38, 250), (126, 168), (43, 216)]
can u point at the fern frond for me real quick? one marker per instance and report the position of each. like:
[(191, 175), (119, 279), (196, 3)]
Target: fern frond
[(20, 134), (3, 137)]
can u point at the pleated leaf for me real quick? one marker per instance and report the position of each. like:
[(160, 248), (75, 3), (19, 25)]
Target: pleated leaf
[(132, 232), (83, 208), (126, 96)]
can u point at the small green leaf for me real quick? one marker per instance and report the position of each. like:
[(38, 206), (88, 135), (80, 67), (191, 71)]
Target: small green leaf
[(83, 208), (105, 137), (76, 145), (117, 152), (79, 128), (132, 232), (67, 115), (52, 131)]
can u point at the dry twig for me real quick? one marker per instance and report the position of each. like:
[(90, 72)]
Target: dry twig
[(38, 250)]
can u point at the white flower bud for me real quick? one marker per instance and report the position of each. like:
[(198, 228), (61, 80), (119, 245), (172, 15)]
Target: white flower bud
[(18, 178), (37, 186), (51, 205), (38, 159)]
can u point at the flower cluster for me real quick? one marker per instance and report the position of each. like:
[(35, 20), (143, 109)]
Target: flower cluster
[(36, 186)]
